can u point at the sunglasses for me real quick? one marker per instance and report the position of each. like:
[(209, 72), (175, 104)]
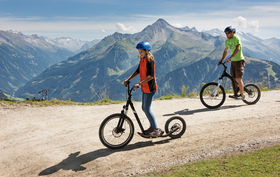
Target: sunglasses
[(228, 32)]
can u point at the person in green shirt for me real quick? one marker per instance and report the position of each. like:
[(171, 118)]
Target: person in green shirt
[(237, 59)]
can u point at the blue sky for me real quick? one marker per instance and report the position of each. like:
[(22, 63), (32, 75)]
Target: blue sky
[(95, 19)]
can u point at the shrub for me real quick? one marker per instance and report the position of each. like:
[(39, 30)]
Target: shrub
[(184, 90)]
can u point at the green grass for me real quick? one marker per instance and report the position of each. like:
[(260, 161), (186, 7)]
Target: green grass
[(166, 97), (265, 162), (103, 101), (55, 102), (183, 94), (171, 96)]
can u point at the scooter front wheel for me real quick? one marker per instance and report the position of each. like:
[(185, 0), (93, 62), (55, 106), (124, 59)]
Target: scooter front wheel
[(211, 96), (175, 127), (113, 137)]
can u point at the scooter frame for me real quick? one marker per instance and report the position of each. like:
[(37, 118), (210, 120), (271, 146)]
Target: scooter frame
[(119, 130), (125, 110)]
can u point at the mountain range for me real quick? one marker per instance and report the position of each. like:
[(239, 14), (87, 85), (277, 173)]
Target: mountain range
[(74, 45), (24, 57), (183, 56)]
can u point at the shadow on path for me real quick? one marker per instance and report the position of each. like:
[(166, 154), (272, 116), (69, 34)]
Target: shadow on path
[(74, 162), (188, 112)]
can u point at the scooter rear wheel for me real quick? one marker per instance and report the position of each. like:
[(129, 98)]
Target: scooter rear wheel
[(173, 123), (252, 94)]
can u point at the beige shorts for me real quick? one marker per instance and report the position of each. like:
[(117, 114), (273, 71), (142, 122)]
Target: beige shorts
[(237, 68)]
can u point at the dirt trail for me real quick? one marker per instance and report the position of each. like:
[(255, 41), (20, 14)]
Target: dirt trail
[(63, 140)]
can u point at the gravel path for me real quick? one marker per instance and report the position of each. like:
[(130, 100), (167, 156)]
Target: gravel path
[(63, 140)]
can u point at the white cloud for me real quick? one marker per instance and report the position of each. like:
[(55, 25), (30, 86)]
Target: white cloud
[(261, 19), (242, 23), (122, 28), (268, 8), (254, 25)]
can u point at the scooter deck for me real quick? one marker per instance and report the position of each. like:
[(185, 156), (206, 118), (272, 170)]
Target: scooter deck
[(162, 135), (147, 136)]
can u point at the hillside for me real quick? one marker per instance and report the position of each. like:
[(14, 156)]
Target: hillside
[(2, 95), (183, 56), (24, 57)]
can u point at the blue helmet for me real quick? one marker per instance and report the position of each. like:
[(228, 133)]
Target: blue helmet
[(230, 29), (144, 45)]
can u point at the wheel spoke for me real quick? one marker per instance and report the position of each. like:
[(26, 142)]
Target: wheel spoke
[(175, 122), (252, 94), (108, 132), (211, 97)]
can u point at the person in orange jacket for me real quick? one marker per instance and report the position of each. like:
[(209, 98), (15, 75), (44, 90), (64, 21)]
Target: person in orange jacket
[(148, 84)]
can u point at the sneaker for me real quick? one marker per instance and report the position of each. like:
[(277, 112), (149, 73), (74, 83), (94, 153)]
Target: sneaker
[(146, 132), (149, 130), (155, 133), (233, 96), (240, 97)]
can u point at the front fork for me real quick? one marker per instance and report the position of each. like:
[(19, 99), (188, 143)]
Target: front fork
[(217, 88), (120, 128)]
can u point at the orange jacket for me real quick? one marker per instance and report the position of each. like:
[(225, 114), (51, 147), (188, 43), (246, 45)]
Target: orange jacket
[(145, 69)]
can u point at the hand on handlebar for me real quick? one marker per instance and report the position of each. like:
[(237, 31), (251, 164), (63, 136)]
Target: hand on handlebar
[(136, 86), (125, 82), (221, 62), (228, 60)]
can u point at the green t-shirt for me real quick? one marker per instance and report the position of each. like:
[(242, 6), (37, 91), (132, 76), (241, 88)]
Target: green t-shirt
[(231, 44)]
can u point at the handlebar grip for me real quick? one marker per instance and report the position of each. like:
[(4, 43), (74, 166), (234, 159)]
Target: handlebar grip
[(127, 84)]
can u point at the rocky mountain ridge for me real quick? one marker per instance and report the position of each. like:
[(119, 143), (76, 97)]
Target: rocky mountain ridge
[(24, 57), (183, 56), (73, 45)]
